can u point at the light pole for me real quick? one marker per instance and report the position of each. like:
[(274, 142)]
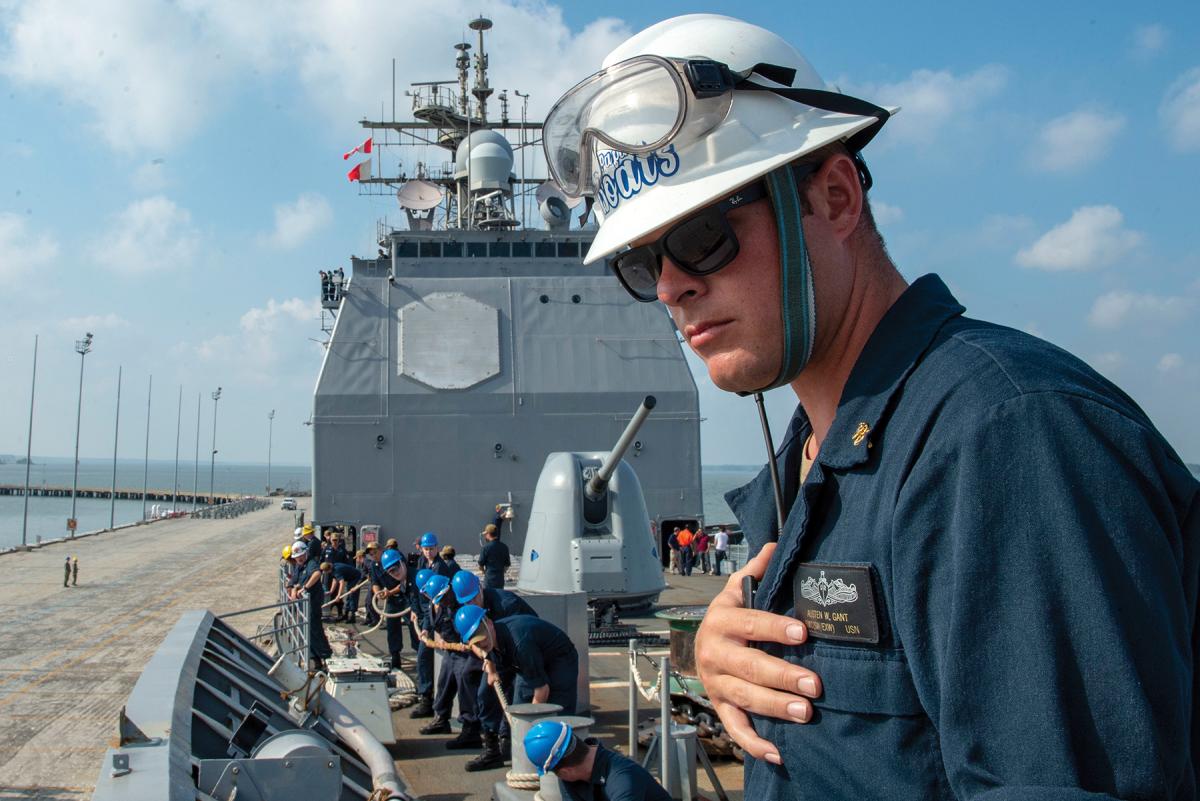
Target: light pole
[(270, 436), (83, 347), (212, 466), (146, 458), (178, 424), (196, 463), (112, 496), (29, 443)]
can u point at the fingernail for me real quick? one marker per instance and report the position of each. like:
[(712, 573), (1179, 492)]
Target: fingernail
[(798, 710), (808, 685), (773, 758), (796, 632)]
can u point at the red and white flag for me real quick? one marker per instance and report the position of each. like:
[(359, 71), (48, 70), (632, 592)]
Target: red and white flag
[(360, 173), (365, 147)]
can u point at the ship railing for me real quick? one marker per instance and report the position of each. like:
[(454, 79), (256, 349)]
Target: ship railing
[(736, 557), (291, 624)]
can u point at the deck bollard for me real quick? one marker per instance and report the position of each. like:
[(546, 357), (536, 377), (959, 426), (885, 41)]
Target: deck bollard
[(523, 717)]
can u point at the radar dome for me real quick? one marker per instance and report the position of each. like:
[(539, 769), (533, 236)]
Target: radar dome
[(491, 161)]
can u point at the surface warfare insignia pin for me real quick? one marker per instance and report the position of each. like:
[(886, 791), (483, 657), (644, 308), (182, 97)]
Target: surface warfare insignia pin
[(826, 592), (860, 433), (837, 601)]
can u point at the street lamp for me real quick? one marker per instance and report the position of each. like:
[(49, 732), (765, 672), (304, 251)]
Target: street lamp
[(270, 435), (212, 467), (83, 347)]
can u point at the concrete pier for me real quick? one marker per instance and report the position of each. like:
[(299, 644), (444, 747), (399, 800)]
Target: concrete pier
[(69, 656)]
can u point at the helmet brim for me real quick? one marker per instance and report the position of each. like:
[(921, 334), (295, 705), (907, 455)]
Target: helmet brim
[(667, 203)]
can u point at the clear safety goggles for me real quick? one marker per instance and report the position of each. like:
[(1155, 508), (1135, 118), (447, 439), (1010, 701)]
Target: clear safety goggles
[(635, 106), (644, 103)]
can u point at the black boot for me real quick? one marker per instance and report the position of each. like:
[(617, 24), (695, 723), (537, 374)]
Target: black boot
[(395, 660), (423, 709), (490, 757), (506, 748), (469, 737), (438, 725)]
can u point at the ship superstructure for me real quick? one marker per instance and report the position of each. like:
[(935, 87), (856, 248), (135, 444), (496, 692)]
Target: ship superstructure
[(475, 344)]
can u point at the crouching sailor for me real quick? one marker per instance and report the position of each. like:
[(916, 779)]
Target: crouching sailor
[(534, 658), (586, 770), (499, 604)]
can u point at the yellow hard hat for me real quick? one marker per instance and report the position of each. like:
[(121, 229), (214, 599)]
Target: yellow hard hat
[(287, 552), (308, 529)]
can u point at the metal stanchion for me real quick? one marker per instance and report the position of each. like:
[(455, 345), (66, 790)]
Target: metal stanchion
[(665, 743), (633, 703)]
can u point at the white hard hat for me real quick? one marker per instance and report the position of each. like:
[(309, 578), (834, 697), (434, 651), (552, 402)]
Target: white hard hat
[(761, 131), (299, 549), (297, 532)]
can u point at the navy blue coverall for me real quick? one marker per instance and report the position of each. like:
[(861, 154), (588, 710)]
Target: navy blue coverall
[(998, 557), (461, 673), (538, 653), (614, 778), (422, 606), (318, 643), (494, 559), (352, 576), (499, 604), (394, 603)]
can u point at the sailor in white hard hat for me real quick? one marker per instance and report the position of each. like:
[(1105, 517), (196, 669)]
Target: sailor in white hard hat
[(978, 558)]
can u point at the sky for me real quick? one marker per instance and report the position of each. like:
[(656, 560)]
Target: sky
[(171, 180)]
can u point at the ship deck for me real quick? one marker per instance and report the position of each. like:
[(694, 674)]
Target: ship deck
[(69, 657)]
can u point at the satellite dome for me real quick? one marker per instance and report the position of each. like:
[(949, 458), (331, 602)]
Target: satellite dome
[(491, 160)]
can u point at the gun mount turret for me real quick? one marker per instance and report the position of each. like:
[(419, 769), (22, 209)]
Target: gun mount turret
[(589, 530)]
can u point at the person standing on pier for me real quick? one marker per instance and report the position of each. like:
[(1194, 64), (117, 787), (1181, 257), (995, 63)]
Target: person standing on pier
[(67, 573), (74, 571)]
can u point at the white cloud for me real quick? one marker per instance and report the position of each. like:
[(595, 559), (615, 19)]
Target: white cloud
[(1180, 112), (149, 234), (932, 100), (23, 251), (1169, 362), (93, 322), (1149, 40), (269, 342), (151, 74), (1095, 236), (297, 221), (1075, 140), (1115, 309), (886, 213), (142, 68)]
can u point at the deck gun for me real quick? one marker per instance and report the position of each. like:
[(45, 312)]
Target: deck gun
[(589, 530)]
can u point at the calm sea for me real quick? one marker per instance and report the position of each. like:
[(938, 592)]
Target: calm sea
[(47, 516)]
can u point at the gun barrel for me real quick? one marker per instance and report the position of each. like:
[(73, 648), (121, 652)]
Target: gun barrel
[(598, 483)]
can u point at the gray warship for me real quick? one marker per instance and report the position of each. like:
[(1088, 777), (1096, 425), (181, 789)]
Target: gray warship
[(476, 343)]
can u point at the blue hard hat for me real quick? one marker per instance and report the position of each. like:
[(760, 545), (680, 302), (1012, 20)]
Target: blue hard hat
[(548, 742), (465, 585), (429, 540), (423, 576), (391, 557), (435, 587), (467, 620)]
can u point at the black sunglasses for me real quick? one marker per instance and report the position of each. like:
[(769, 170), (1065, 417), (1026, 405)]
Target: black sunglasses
[(698, 245)]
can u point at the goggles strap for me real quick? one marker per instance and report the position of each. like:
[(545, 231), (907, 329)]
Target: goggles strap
[(797, 298), (831, 101)]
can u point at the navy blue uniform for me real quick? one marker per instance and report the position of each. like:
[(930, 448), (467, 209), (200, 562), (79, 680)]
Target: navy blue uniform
[(461, 673), (494, 559), (352, 576), (998, 557), (314, 547), (499, 605), (538, 653), (422, 605), (318, 644), (394, 603), (614, 778), (369, 569)]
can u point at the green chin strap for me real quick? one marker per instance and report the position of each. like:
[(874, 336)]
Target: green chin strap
[(797, 302)]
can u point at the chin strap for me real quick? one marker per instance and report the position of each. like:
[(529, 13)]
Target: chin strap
[(797, 301)]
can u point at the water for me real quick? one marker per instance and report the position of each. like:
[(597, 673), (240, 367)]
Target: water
[(715, 481), (48, 516)]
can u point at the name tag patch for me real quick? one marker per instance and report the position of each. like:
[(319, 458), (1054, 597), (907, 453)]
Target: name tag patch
[(837, 602)]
